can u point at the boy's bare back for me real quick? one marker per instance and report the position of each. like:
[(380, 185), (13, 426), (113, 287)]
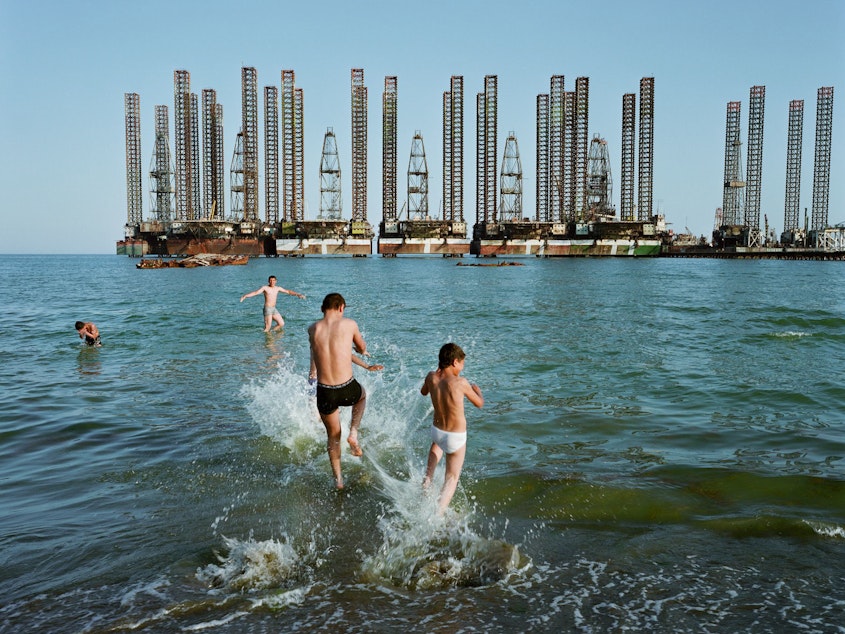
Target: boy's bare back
[(447, 390)]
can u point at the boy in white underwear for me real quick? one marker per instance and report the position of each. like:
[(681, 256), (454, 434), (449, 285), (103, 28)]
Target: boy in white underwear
[(447, 389)]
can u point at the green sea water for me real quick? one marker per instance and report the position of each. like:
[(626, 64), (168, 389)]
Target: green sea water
[(662, 447)]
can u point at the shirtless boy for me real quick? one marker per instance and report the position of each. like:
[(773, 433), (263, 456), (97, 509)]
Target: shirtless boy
[(332, 339), (271, 292), (88, 331), (447, 389)]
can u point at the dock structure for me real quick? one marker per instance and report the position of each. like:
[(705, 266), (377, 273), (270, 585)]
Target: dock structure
[(573, 215)]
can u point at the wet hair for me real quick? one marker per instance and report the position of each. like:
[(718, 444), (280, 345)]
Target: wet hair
[(449, 353), (333, 301), (80, 325), (272, 277)]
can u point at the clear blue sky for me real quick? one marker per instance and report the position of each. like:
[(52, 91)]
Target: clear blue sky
[(65, 66)]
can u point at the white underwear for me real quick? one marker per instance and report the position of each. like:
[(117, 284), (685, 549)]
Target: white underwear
[(448, 441)]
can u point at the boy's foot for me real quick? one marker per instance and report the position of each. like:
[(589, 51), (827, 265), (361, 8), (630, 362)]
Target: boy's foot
[(355, 448)]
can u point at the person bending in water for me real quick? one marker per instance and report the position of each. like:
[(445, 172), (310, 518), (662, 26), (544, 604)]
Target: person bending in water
[(447, 389), (88, 331), (332, 339), (271, 292)]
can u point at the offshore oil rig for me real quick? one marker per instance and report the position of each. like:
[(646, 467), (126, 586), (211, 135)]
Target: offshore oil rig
[(574, 214)]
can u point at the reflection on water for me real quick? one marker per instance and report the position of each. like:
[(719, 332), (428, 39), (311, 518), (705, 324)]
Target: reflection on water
[(88, 360)]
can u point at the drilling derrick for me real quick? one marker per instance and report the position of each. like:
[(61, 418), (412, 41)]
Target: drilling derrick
[(196, 181), (510, 182), (579, 154), (293, 203), (184, 145), (646, 155), (271, 155), (599, 182), (388, 150), (486, 123), (331, 203), (453, 153), (733, 198), (754, 163), (212, 156), (359, 148), (821, 162), (792, 206), (418, 180), (568, 183), (161, 169), (629, 104), (557, 107), (236, 185), (249, 115), (132, 108), (542, 204)]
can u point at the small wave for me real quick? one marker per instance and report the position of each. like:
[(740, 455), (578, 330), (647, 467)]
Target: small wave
[(252, 565), (790, 334), (827, 530)]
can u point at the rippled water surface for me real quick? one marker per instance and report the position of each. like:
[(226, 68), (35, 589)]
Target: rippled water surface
[(662, 447)]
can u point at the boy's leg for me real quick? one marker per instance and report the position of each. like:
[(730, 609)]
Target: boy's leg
[(434, 455), (268, 320), (279, 320), (332, 423), (454, 464), (357, 415)]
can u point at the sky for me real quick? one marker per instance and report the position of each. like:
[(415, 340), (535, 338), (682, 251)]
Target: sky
[(65, 67)]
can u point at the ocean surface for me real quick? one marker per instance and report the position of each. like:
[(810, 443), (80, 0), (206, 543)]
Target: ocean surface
[(662, 448)]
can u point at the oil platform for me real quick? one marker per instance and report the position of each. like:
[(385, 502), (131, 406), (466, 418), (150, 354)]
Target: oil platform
[(573, 215)]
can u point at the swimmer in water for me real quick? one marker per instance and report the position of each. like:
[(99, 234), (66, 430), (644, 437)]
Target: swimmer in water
[(89, 332)]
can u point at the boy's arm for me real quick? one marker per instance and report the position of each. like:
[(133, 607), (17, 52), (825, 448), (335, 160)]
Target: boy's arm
[(372, 368), (252, 294), (358, 341), (425, 389), (473, 394), (294, 293)]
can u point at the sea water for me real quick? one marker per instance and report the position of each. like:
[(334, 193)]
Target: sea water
[(662, 447)]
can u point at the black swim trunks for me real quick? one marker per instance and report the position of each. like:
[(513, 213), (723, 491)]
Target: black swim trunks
[(91, 341), (330, 397)]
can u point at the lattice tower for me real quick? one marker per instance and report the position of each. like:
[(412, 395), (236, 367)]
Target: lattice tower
[(331, 202), (582, 114), (219, 163), (299, 190), (821, 162), (196, 159), (491, 119), (629, 105), (161, 169), (646, 154), (359, 146), (212, 160), (754, 163), (417, 180), (389, 114), (542, 160), (557, 116), (568, 191), (271, 154), (249, 115), (733, 196), (599, 181), (510, 182), (289, 161), (236, 175), (447, 154), (792, 203), (453, 151), (132, 112), (183, 133), (480, 207)]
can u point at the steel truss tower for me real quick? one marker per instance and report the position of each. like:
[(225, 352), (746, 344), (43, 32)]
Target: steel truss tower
[(568, 196), (212, 154), (293, 164), (331, 202), (821, 162), (557, 107), (389, 113), (754, 163), (486, 123), (579, 155), (418, 180), (249, 116), (196, 180), (510, 182), (359, 146), (792, 203), (271, 154), (629, 105), (599, 181), (646, 154), (733, 196), (184, 133), (453, 151), (542, 205), (236, 186), (132, 111), (161, 169)]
